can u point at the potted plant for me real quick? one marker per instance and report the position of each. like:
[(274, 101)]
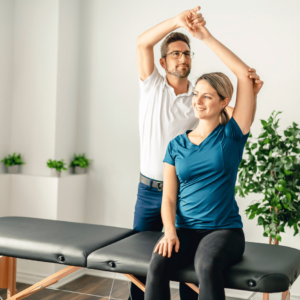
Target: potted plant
[(56, 167), (80, 163), (273, 170), (13, 162)]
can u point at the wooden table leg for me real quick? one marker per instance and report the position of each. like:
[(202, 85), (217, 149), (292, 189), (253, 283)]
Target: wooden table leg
[(3, 272), (11, 277), (286, 295), (266, 296)]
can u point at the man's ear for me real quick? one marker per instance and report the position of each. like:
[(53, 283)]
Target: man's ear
[(163, 62)]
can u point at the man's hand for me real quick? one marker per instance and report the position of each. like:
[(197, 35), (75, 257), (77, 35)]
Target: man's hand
[(195, 18), (257, 83)]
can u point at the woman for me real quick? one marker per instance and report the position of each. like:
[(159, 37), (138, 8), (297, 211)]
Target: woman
[(200, 214)]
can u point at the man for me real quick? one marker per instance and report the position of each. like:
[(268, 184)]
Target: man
[(165, 111)]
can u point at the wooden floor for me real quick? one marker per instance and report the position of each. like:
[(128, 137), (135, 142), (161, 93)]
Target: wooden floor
[(88, 285)]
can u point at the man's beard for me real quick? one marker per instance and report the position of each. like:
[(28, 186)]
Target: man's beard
[(179, 74)]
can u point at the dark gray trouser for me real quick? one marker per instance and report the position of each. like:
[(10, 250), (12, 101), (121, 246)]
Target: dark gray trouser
[(212, 251)]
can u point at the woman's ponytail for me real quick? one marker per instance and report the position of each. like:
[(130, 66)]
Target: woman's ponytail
[(224, 116)]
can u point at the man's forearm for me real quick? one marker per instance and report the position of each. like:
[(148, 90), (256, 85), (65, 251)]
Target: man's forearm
[(152, 36)]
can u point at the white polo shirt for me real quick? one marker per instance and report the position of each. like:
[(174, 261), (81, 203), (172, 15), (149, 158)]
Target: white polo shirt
[(162, 116)]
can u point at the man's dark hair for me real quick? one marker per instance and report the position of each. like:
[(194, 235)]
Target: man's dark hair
[(173, 37)]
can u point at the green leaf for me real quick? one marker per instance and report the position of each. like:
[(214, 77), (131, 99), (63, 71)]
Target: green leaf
[(263, 122), (280, 228), (262, 135), (282, 182), (278, 237), (252, 216), (266, 141), (287, 172), (260, 221), (296, 150)]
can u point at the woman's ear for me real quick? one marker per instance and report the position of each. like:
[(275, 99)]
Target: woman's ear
[(225, 102)]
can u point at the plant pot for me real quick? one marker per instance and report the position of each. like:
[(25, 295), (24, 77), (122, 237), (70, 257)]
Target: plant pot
[(13, 169), (79, 170), (55, 173)]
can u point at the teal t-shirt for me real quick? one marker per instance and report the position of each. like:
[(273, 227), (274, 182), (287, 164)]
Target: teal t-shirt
[(207, 175)]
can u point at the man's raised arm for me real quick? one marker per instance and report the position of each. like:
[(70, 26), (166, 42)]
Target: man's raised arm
[(147, 40)]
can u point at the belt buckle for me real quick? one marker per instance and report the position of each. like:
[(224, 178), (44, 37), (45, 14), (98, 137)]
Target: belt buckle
[(160, 186)]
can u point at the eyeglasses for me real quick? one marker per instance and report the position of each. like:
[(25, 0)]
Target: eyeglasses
[(178, 54)]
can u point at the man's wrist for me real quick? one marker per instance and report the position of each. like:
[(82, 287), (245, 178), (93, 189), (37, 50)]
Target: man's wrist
[(175, 23)]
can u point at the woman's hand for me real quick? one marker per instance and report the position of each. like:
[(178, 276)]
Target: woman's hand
[(193, 16), (195, 25), (257, 83), (165, 245)]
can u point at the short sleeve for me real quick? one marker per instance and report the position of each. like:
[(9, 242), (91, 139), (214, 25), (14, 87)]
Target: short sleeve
[(150, 82), (169, 157), (234, 132)]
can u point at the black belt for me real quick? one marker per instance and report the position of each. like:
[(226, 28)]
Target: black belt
[(155, 183)]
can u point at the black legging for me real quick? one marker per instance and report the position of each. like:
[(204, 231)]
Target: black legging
[(212, 252)]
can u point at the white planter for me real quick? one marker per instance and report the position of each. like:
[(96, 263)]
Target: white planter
[(13, 169), (79, 170), (54, 173)]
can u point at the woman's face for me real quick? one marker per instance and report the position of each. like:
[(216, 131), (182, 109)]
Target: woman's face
[(206, 101)]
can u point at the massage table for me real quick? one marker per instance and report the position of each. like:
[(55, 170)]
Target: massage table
[(263, 268)]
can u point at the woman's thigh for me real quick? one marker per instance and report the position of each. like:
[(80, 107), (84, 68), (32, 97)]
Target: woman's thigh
[(220, 249), (185, 254)]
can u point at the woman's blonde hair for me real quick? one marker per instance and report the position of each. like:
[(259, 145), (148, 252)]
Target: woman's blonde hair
[(223, 86)]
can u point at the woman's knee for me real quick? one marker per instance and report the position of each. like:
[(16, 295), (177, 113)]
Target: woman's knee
[(159, 265), (206, 265)]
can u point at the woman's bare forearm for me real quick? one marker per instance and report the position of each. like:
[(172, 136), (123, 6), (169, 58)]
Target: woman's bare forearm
[(168, 214), (155, 34)]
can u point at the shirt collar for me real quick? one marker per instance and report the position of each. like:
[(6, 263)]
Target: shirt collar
[(189, 92)]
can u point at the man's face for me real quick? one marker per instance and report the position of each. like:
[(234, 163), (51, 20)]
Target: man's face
[(179, 67)]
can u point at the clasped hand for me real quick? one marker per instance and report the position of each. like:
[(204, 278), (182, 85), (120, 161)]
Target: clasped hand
[(193, 22)]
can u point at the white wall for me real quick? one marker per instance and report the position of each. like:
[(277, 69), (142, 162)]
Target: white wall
[(34, 82), (67, 79), (6, 56)]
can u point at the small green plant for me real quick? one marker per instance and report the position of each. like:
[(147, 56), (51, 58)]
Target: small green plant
[(12, 160), (273, 170), (58, 165), (80, 161)]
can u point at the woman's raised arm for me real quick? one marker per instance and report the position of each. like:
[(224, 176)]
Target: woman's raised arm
[(243, 110)]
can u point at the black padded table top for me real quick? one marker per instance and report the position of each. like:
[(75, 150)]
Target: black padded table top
[(263, 268), (68, 243)]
